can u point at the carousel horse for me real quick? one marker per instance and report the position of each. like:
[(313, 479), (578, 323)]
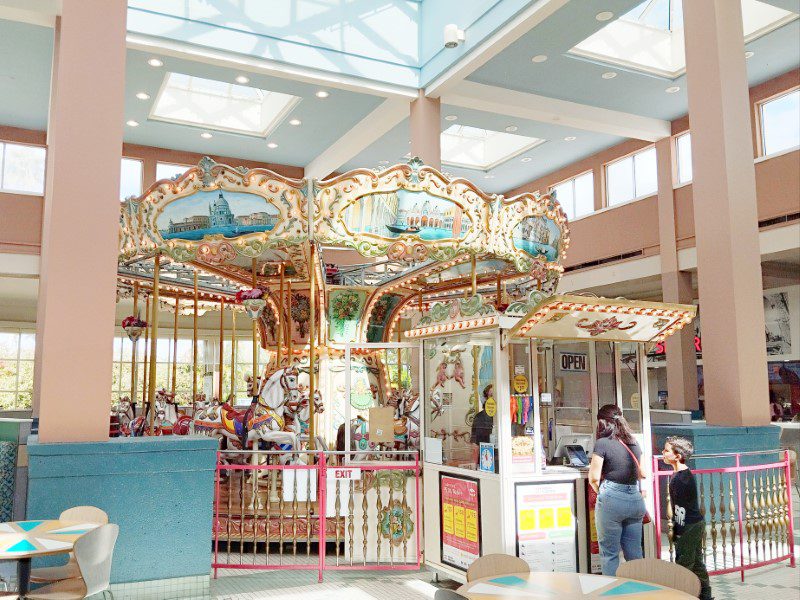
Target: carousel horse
[(126, 413), (406, 418)]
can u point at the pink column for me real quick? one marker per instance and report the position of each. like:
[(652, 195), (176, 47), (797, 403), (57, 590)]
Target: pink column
[(726, 222), (676, 287), (77, 289), (426, 130)]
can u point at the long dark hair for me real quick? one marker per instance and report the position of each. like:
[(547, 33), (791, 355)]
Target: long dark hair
[(612, 424)]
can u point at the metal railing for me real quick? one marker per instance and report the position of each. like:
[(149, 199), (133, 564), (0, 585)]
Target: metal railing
[(316, 511), (747, 510)]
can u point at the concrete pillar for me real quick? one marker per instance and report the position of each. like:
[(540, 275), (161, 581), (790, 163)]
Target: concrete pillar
[(726, 222), (426, 130), (676, 288), (77, 288)]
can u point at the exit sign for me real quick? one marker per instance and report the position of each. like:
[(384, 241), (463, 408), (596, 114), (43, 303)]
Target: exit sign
[(344, 473)]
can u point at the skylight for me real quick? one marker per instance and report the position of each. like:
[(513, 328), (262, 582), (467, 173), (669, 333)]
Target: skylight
[(650, 37), (220, 105), (474, 148)]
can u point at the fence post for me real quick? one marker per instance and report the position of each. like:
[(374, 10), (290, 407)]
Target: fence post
[(739, 513), (321, 486), (788, 492), (215, 520), (417, 508), (657, 507)]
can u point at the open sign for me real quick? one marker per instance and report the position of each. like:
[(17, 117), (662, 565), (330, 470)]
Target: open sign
[(573, 362), (347, 474)]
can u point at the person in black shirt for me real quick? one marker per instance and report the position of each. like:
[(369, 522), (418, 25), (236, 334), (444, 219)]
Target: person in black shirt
[(482, 425), (688, 523)]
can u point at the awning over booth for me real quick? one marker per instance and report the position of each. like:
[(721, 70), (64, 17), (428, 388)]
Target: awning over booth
[(605, 319)]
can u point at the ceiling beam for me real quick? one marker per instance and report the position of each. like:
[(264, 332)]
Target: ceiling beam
[(493, 45), (367, 131), (522, 105), (43, 12), (780, 270)]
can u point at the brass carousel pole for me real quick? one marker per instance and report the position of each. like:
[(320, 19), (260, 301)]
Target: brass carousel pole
[(499, 292), (221, 343), (279, 348), (146, 360), (175, 345), (134, 342), (312, 346), (474, 265), (233, 354), (255, 328), (151, 387), (194, 342), (288, 309)]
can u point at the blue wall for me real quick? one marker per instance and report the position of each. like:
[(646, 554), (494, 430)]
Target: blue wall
[(158, 490)]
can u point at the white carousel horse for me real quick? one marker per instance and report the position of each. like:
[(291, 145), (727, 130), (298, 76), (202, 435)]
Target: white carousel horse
[(125, 414)]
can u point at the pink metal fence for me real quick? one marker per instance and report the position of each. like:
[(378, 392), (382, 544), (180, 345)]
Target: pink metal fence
[(747, 510), (281, 502)]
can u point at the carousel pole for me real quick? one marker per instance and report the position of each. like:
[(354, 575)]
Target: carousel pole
[(474, 265), (194, 342), (288, 309), (233, 354), (221, 345), (279, 358), (175, 344), (151, 387), (499, 292), (133, 351), (255, 329), (312, 346), (146, 362)]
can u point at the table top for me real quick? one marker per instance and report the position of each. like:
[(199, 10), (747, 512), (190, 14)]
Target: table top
[(26, 539), (542, 586)]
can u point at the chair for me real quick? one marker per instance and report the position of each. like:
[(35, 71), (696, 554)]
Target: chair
[(661, 572), (448, 595), (496, 564), (81, 514), (93, 552)]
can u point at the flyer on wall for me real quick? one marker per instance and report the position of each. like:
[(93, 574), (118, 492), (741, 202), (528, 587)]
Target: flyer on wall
[(546, 526), (461, 528)]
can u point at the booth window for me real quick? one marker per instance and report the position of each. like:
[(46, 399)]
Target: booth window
[(461, 404), (170, 170), (780, 123), (130, 178), (576, 195), (22, 168), (632, 177), (683, 152), (16, 368)]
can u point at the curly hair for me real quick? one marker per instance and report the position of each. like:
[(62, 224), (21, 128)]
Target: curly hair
[(681, 446)]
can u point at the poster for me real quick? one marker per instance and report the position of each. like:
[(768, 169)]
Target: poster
[(546, 526), (459, 499), (344, 311), (486, 462)]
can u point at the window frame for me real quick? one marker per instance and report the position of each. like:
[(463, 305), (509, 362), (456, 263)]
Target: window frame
[(572, 180), (759, 123), (175, 164), (19, 332), (631, 155), (141, 174), (4, 190), (677, 162)]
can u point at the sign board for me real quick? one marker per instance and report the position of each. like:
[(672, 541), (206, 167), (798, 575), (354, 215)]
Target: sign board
[(520, 383), (573, 361), (546, 526), (381, 424), (486, 457), (459, 501), (347, 474), (546, 398), (490, 406)]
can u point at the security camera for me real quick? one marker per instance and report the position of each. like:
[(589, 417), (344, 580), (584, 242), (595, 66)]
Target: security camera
[(453, 36)]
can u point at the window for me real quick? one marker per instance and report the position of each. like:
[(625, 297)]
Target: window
[(576, 195), (22, 168), (16, 368), (475, 148), (683, 149), (170, 170), (632, 177), (130, 178), (244, 367), (780, 123)]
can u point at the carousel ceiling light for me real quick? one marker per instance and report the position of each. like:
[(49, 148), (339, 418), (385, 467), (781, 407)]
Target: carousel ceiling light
[(154, 62), (322, 94), (242, 79), (143, 96)]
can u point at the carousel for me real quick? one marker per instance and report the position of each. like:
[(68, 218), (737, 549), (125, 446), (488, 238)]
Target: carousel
[(419, 312)]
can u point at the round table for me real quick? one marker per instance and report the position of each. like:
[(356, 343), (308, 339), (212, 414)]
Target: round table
[(24, 540), (543, 586)]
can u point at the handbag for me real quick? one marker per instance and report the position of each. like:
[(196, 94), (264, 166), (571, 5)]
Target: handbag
[(646, 518)]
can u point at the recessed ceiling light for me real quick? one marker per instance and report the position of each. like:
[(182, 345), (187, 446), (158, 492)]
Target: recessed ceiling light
[(154, 62), (749, 54), (451, 118), (295, 122), (383, 162), (539, 58), (272, 145), (511, 128), (606, 15), (526, 159), (609, 75), (488, 176), (206, 136), (143, 96), (132, 123), (322, 94), (242, 79), (570, 138), (672, 89)]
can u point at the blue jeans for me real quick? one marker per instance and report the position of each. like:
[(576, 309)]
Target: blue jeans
[(618, 518)]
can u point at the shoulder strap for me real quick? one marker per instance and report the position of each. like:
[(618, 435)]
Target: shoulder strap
[(633, 456)]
